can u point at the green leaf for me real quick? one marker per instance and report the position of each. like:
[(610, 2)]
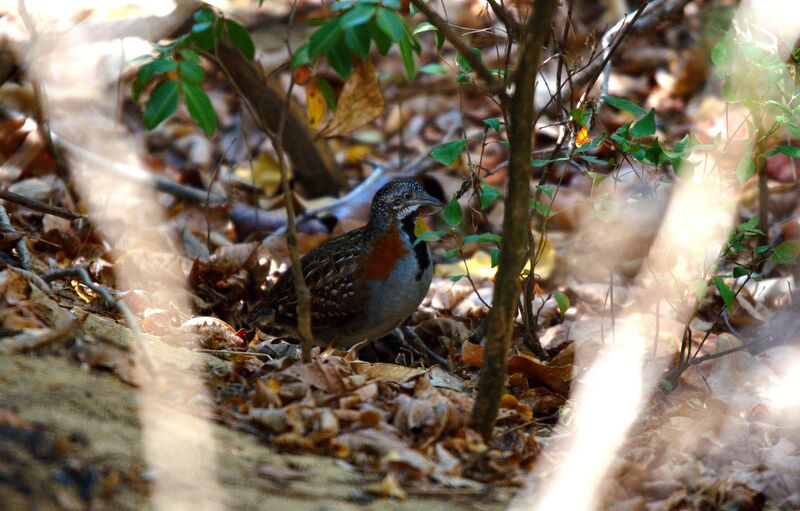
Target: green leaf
[(327, 92), (493, 122), (462, 61), (358, 40), (241, 39), (439, 40), (486, 237), (593, 159), (428, 236), (408, 57), (449, 152), (581, 116), (666, 385), (424, 27), (324, 39), (147, 71), (199, 107), (788, 150), (382, 41), (562, 300), (300, 57), (201, 15), (646, 126), (541, 208), (191, 56), (624, 104), (725, 292), (591, 145), (740, 271), (391, 24), (451, 253), (456, 278), (548, 190), (162, 103), (786, 253), (433, 69), (746, 167), (722, 52), (489, 194), (191, 71), (357, 16), (494, 256), (544, 163), (339, 59), (452, 212)]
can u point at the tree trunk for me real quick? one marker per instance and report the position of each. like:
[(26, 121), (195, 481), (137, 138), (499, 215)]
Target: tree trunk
[(516, 223)]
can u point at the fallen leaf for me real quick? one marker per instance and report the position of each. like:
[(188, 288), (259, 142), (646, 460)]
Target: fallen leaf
[(556, 378), (472, 354), (315, 103), (360, 101)]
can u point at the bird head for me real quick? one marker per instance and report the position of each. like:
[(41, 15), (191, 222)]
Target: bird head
[(402, 198)]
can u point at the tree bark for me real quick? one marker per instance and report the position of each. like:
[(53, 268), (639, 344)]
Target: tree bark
[(516, 223), (312, 161)]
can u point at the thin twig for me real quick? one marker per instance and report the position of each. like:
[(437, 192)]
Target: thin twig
[(300, 287), (37, 205), (494, 85), (22, 243), (80, 273), (208, 195)]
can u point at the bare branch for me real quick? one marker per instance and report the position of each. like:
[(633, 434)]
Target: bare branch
[(495, 85)]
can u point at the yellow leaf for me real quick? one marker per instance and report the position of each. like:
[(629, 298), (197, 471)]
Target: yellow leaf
[(480, 267), (420, 227), (315, 104), (359, 102), (357, 152), (265, 173), (582, 138)]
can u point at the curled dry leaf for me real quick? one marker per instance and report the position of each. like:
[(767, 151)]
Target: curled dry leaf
[(472, 354), (359, 102), (556, 378)]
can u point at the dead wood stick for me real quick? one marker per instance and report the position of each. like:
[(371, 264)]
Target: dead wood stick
[(22, 243), (80, 273), (37, 205)]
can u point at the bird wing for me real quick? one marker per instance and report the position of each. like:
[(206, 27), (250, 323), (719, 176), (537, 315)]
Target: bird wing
[(332, 274)]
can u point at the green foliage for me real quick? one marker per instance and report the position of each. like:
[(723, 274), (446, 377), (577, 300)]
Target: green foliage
[(349, 33), (725, 292), (489, 194), (449, 152), (562, 300), (624, 104), (176, 70), (453, 213), (787, 252)]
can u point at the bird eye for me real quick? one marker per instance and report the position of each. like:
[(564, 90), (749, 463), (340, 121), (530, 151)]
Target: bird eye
[(407, 195)]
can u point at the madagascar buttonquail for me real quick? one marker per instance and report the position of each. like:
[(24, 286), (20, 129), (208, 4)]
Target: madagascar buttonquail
[(366, 282)]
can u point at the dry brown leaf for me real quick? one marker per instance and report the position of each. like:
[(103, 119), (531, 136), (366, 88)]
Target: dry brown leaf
[(388, 487), (556, 378), (359, 102), (472, 354), (386, 372)]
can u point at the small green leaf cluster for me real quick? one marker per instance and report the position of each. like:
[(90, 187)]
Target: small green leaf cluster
[(176, 70), (454, 216), (354, 26)]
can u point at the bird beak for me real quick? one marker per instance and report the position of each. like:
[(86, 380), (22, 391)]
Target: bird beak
[(428, 204)]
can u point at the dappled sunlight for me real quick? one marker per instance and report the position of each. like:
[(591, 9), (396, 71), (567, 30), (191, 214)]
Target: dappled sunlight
[(178, 443)]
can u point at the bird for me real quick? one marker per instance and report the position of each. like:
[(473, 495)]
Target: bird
[(366, 282)]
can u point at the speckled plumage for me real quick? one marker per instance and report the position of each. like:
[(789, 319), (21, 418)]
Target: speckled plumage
[(366, 282)]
